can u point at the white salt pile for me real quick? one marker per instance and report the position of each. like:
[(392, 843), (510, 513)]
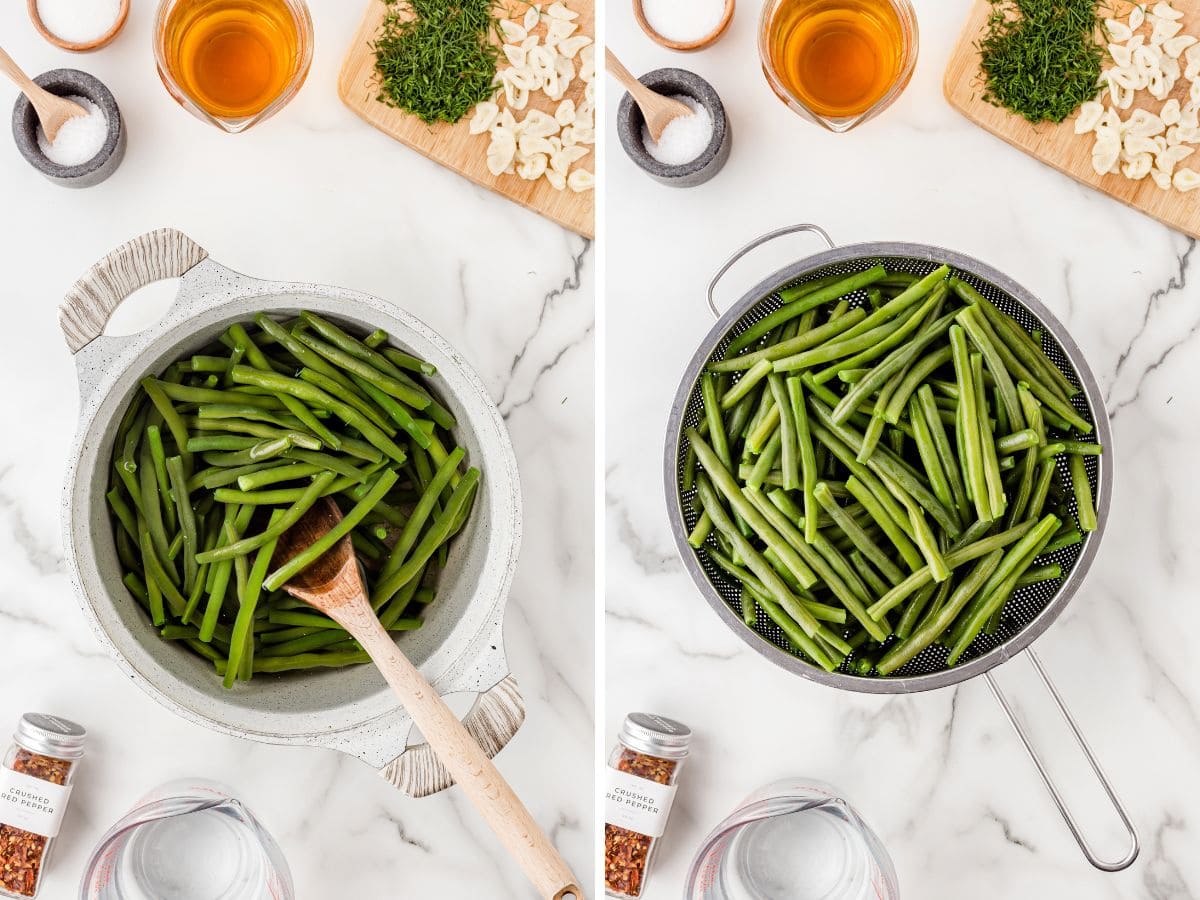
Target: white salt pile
[(79, 21), (79, 139), (684, 138), (684, 21)]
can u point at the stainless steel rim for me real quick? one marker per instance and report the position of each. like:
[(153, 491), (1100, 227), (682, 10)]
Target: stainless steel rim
[(762, 291)]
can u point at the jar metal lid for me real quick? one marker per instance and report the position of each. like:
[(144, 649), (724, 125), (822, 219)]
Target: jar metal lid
[(50, 736), (656, 735)]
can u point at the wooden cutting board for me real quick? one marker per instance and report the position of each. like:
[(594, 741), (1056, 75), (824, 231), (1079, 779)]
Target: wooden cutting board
[(1058, 145), (453, 145)]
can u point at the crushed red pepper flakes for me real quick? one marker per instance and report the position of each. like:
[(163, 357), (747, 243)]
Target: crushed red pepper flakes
[(627, 852), (22, 852)]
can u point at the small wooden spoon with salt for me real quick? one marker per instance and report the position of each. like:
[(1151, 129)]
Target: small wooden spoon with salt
[(657, 110), (334, 586), (52, 111)]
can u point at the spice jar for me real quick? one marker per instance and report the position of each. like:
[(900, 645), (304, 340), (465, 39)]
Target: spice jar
[(35, 785), (642, 772)]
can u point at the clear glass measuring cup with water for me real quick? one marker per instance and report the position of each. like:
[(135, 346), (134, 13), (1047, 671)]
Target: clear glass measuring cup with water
[(187, 840), (795, 839)]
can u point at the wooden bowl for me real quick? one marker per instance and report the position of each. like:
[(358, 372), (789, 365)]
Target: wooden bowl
[(707, 41), (87, 46)]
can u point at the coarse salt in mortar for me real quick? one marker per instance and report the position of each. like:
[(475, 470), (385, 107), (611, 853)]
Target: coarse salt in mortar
[(684, 21), (79, 139), (79, 21), (685, 138)]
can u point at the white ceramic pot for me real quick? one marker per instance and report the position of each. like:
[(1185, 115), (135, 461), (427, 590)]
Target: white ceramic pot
[(459, 649)]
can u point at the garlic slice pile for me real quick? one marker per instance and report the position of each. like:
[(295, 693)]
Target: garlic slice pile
[(1151, 53), (541, 145)]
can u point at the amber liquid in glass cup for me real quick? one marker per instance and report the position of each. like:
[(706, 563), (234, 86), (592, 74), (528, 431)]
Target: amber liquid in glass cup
[(233, 62), (838, 62)]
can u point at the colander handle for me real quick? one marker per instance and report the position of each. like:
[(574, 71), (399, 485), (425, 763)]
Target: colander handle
[(495, 718), (758, 242), (165, 253), (1135, 847)]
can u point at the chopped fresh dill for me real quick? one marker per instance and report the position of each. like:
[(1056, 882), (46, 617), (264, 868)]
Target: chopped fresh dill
[(1040, 58), (435, 58)]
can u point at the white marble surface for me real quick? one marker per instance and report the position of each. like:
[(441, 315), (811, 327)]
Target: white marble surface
[(312, 195), (940, 775)]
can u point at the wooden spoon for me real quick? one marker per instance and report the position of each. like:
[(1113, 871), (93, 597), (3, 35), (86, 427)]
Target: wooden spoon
[(657, 110), (334, 586), (52, 111)]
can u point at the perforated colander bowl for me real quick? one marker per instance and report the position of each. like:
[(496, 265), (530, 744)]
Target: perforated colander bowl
[(1030, 611)]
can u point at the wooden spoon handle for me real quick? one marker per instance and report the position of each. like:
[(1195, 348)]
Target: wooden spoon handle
[(479, 778), (617, 70), (17, 74)]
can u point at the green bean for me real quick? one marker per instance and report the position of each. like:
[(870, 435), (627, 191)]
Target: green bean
[(407, 361), (997, 501), (930, 629), (1040, 573), (857, 534), (187, 520), (151, 509), (712, 413), (755, 374), (912, 381), (927, 450), (395, 411), (366, 371), (969, 318), (286, 521), (310, 394), (970, 430), (1019, 343), (1079, 448), (330, 659), (999, 586), (254, 429), (422, 511), (803, 304), (790, 347), (897, 340), (159, 458), (318, 548), (157, 392), (1085, 507), (443, 527), (953, 559)]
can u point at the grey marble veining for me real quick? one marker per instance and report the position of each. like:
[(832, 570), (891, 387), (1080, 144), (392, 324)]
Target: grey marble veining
[(940, 775), (315, 195)]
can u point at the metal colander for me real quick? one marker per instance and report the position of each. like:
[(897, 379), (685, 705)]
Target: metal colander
[(1031, 610)]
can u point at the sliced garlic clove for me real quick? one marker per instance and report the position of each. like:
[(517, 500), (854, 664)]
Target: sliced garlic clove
[(1089, 117), (533, 15), (558, 30), (1138, 167), (565, 114), (1164, 30), (533, 168), (512, 32), (581, 180), (557, 180), (501, 153), (559, 10), (1137, 17), (1176, 45), (1186, 180), (1162, 179), (1118, 31), (572, 45), (1171, 112), (486, 114), (1165, 10)]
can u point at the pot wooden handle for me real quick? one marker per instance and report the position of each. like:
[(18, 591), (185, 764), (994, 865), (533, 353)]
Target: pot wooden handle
[(470, 767), (165, 253), (493, 721)]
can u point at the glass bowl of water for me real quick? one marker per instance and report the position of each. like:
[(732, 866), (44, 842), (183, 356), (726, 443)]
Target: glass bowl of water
[(188, 840), (795, 839)]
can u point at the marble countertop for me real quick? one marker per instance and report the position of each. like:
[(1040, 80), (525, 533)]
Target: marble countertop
[(312, 195), (941, 776)]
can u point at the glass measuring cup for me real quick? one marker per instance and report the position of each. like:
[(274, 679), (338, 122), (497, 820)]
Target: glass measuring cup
[(233, 63), (794, 839), (187, 840), (838, 63)]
